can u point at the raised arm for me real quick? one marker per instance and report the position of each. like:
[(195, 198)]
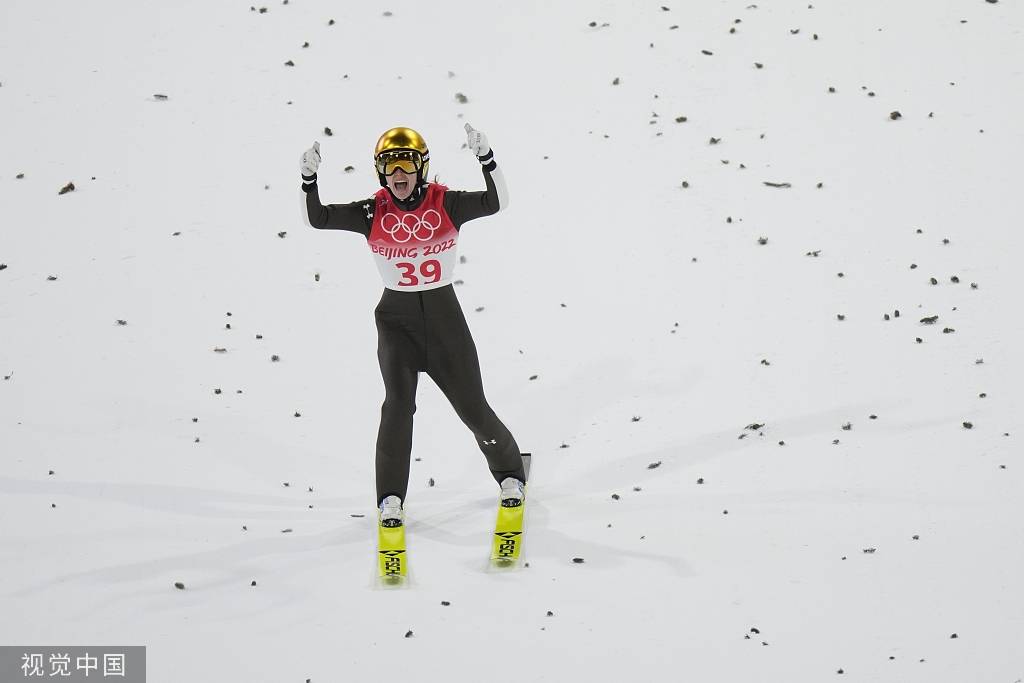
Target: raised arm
[(354, 216), (465, 206)]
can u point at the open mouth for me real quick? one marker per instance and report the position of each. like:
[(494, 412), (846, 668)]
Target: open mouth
[(401, 185)]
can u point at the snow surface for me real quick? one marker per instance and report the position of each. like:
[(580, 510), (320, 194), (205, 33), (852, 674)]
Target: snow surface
[(622, 320)]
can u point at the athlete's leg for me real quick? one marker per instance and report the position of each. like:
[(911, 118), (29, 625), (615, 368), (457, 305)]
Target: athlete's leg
[(396, 354), (453, 364)]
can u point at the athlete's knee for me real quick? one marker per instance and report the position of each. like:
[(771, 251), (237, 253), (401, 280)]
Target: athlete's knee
[(398, 406), (478, 418)]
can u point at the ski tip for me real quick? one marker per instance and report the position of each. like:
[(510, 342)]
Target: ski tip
[(504, 564), (392, 581)]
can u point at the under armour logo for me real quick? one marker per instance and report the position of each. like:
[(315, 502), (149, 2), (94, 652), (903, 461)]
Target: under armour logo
[(492, 442)]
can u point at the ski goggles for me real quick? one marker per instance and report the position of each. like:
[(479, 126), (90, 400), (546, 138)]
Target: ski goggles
[(409, 160)]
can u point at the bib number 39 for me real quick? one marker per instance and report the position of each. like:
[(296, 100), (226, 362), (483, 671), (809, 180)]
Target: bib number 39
[(430, 271)]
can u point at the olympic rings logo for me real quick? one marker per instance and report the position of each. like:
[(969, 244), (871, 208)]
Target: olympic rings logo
[(422, 229)]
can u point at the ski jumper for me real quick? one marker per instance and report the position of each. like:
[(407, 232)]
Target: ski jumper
[(420, 324)]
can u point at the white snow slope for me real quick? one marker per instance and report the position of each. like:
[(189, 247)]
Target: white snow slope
[(868, 528)]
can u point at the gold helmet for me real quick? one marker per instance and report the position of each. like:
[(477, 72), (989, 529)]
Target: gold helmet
[(401, 148)]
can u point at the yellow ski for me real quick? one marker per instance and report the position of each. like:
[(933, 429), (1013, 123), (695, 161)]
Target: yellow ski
[(508, 535), (391, 553), (508, 530)]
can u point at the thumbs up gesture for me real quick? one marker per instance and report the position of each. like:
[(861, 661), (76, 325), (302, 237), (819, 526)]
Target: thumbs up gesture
[(477, 141), (310, 160)]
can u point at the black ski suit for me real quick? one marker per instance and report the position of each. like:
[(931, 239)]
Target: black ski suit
[(425, 331)]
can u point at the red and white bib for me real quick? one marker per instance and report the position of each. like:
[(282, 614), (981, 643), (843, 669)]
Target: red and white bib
[(414, 250)]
